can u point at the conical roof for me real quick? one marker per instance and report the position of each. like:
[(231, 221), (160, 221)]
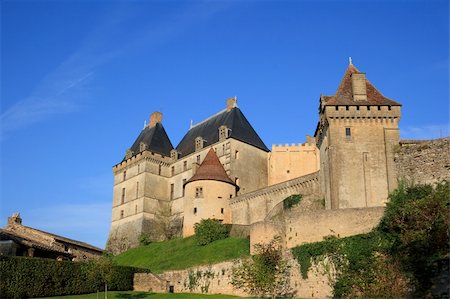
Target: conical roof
[(156, 140), (211, 169), (344, 93)]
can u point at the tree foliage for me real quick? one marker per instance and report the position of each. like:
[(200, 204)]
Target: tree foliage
[(209, 230), (291, 201), (265, 273)]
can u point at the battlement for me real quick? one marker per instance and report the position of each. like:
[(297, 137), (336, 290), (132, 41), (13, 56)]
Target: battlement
[(363, 111), (308, 145), (150, 156)]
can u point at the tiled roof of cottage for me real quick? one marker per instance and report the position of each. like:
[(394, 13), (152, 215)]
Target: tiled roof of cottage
[(211, 169), (156, 140), (344, 93), (238, 125)]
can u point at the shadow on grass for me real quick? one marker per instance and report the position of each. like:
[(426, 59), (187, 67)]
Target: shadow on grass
[(132, 296)]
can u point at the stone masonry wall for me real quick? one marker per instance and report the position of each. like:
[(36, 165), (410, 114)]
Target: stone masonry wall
[(423, 161), (216, 279)]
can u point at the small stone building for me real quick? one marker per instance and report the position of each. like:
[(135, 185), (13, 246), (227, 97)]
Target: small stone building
[(19, 240)]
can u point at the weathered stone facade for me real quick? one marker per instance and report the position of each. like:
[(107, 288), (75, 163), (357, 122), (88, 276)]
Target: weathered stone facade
[(423, 161)]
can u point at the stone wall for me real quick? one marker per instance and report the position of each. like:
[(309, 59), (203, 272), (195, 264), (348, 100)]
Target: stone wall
[(255, 206), (423, 161), (297, 227), (216, 279)]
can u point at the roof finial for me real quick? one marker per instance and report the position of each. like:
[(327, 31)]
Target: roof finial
[(190, 127), (350, 61), (145, 124)]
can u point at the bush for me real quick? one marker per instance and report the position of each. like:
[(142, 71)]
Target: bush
[(23, 277), (209, 230), (291, 201), (144, 240)]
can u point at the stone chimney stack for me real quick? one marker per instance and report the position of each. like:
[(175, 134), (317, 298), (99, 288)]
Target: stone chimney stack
[(231, 103), (359, 87), (14, 219), (155, 117)]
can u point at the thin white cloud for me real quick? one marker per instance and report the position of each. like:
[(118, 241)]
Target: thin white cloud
[(62, 89), (425, 132)]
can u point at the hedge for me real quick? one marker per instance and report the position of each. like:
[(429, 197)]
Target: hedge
[(24, 277)]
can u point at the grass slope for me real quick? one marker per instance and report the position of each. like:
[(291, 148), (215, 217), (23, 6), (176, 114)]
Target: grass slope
[(142, 295), (180, 254)]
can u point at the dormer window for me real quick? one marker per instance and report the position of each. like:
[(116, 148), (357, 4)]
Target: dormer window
[(142, 146), (223, 132), (128, 154), (199, 143), (174, 155)]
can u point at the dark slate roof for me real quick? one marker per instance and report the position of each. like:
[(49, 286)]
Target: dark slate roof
[(156, 140), (211, 169), (344, 93), (208, 129)]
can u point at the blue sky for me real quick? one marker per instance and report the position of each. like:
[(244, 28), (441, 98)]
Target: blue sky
[(79, 78)]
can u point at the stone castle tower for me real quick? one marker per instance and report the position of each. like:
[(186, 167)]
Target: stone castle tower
[(222, 169), (356, 133)]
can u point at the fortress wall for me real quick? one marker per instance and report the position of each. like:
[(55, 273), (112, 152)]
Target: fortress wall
[(216, 279), (292, 161), (423, 161), (255, 206), (298, 227)]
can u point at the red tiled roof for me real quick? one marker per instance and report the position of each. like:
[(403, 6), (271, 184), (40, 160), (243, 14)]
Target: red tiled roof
[(344, 93), (211, 169)]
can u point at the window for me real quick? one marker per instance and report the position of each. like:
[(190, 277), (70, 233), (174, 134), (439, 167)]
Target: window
[(348, 134), (195, 211), (198, 159), (124, 175), (172, 188), (137, 189), (231, 195), (236, 155), (159, 169), (184, 182), (121, 214), (198, 143), (123, 196), (139, 168), (173, 170), (223, 132), (199, 192), (185, 165), (221, 210), (223, 149)]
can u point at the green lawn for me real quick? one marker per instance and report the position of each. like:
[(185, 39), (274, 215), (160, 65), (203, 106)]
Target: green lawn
[(181, 253), (142, 295)]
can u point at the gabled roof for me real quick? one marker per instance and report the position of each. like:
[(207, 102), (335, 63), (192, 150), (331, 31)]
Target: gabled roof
[(344, 93), (211, 169), (156, 140), (238, 125)]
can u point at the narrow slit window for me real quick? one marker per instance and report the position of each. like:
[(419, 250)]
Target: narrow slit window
[(348, 133), (195, 211), (123, 196)]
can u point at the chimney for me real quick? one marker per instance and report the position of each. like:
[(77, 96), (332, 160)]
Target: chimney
[(359, 87), (14, 219), (155, 117), (231, 103)]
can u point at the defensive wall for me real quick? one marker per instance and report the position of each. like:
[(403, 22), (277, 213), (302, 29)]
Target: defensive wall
[(423, 161), (216, 279), (255, 206)]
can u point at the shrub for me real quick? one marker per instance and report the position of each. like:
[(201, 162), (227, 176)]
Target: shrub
[(209, 230), (291, 201), (144, 239), (23, 277)]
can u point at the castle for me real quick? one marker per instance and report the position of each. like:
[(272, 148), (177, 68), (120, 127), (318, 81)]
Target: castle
[(222, 169)]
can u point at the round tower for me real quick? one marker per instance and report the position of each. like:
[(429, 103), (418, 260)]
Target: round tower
[(207, 194)]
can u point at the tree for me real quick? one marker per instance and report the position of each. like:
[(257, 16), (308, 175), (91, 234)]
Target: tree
[(265, 273), (209, 230)]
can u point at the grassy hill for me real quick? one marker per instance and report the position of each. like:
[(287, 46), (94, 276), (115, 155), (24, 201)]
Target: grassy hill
[(182, 253)]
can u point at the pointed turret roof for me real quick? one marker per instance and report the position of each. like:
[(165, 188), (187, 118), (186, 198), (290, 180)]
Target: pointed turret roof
[(156, 140), (238, 125), (211, 169), (344, 93)]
